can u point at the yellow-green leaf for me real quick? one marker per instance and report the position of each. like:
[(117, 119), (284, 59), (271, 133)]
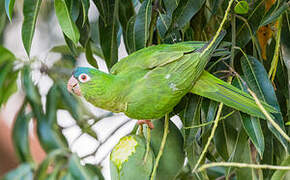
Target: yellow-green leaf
[(242, 7)]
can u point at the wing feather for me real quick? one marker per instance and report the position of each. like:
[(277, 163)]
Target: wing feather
[(153, 56)]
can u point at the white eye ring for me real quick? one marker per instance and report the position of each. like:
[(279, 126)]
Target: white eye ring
[(84, 78)]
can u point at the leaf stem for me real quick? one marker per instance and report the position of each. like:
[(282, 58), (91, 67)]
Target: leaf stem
[(220, 27), (242, 165), (233, 26), (274, 63), (162, 145), (207, 123)]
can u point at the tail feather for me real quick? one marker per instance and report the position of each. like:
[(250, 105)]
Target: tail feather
[(213, 88)]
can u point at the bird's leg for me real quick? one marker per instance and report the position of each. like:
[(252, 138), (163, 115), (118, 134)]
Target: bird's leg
[(162, 145), (148, 139), (148, 122)]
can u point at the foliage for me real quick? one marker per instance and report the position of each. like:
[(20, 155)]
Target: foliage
[(237, 137)]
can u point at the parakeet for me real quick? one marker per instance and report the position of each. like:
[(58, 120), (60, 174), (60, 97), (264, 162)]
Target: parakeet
[(150, 82)]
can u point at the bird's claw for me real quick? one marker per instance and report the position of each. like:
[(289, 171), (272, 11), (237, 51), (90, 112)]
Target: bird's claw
[(148, 122)]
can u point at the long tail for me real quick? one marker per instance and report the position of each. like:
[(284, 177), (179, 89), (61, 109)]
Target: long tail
[(213, 88)]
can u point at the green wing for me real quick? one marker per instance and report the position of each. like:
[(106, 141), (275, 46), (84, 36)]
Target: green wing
[(213, 88), (154, 56)]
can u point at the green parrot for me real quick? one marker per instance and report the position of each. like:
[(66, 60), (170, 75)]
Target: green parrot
[(150, 82)]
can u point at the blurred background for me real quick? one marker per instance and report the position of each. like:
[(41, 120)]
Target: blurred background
[(48, 35)]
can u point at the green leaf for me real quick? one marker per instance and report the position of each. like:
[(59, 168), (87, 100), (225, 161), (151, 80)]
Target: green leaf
[(212, 109), (96, 170), (242, 7), (226, 135), (5, 55), (280, 174), (271, 16), (10, 87), (52, 157), (5, 70), (172, 159), (48, 131), (30, 13), (253, 128), (66, 23), (108, 29), (242, 154), (190, 117), (72, 105), (268, 156), (130, 36), (74, 7), (84, 29), (65, 50), (71, 45), (31, 91), (243, 35), (20, 136), (185, 10), (95, 32), (163, 23), (141, 26), (7, 85), (86, 6), (9, 5), (170, 5), (78, 171), (126, 11), (2, 23), (89, 56), (22, 172), (257, 79), (97, 51)]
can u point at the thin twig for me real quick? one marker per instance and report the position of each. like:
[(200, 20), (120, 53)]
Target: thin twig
[(242, 165), (274, 63), (268, 116), (216, 121), (220, 28), (162, 145), (207, 123)]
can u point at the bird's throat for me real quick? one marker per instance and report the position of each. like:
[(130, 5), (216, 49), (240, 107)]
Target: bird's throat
[(102, 92)]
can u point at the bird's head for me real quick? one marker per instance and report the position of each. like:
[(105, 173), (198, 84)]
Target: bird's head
[(81, 77)]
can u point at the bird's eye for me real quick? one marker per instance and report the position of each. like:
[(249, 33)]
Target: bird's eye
[(84, 78)]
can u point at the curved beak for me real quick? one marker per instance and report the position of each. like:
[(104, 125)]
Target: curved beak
[(73, 86)]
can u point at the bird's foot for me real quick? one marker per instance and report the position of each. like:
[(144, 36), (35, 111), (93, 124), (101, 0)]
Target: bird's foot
[(148, 122)]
